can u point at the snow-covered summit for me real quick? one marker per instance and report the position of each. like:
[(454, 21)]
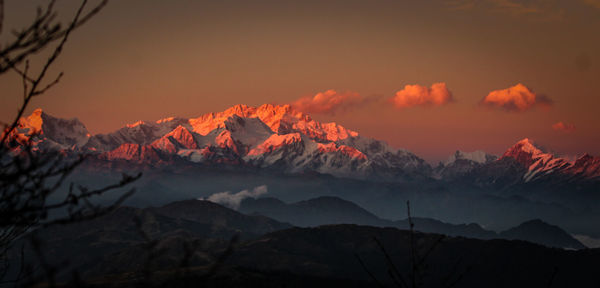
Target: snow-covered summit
[(267, 136), (540, 163), (50, 132), (281, 119)]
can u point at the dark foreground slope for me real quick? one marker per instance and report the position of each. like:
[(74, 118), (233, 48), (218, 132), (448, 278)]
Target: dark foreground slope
[(188, 243), (328, 256), (128, 239), (333, 251)]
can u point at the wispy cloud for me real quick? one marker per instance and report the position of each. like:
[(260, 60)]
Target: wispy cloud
[(563, 127), (234, 200), (331, 101), (327, 102), (417, 95), (517, 98)]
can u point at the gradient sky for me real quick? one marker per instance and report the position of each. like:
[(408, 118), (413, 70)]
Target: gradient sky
[(149, 59)]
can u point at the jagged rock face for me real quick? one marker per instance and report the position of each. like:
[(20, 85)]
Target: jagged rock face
[(141, 133), (541, 165), (585, 166), (132, 152), (47, 132)]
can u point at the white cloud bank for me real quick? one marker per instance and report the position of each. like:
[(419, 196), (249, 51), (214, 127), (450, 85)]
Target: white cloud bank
[(233, 200)]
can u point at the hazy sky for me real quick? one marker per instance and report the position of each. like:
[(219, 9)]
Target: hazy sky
[(145, 60)]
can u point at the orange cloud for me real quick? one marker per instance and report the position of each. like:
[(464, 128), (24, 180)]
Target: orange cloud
[(517, 98), (564, 127), (416, 95), (329, 101)]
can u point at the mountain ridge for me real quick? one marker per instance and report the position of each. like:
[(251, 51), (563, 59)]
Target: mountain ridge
[(329, 210), (279, 137)]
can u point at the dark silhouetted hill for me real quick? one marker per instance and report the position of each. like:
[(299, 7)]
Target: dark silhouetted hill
[(116, 247), (334, 210), (538, 231), (332, 250)]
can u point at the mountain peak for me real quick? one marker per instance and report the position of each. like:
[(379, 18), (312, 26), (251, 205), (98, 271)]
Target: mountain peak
[(537, 162), (526, 146), (286, 108), (34, 121), (527, 143), (281, 119), (37, 112), (263, 111), (165, 120), (525, 152), (241, 110), (54, 132), (138, 123)]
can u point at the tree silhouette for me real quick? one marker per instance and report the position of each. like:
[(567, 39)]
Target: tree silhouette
[(415, 276), (28, 176)]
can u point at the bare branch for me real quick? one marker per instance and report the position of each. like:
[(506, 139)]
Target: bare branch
[(25, 79), (28, 175), (362, 264), (390, 263), (34, 38), (43, 90)]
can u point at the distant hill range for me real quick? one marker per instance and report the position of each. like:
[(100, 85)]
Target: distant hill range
[(334, 210), (114, 250)]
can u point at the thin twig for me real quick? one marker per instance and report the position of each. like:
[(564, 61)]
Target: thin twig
[(362, 264)]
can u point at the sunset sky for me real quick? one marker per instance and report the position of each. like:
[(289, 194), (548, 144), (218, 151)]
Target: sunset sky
[(428, 76)]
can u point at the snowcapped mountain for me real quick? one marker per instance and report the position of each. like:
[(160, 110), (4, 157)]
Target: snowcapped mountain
[(47, 132), (269, 136), (280, 138), (524, 162), (540, 164)]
